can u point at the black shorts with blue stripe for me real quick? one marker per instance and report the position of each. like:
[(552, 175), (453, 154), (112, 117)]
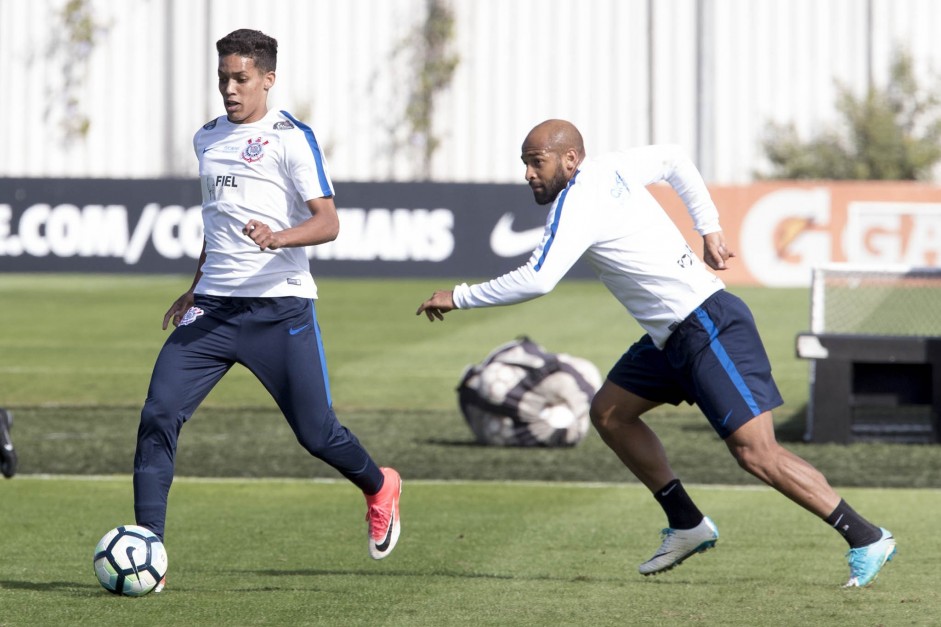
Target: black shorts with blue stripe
[(714, 358)]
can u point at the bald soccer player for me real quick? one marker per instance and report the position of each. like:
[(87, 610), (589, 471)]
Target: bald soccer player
[(701, 344)]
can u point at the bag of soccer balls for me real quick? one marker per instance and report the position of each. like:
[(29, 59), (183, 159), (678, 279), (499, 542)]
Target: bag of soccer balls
[(523, 395)]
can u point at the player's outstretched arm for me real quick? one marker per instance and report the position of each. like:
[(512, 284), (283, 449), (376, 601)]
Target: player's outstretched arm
[(441, 302), (715, 252)]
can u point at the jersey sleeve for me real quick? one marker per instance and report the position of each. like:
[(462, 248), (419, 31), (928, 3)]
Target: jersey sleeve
[(306, 163), (568, 234), (196, 138), (653, 164)]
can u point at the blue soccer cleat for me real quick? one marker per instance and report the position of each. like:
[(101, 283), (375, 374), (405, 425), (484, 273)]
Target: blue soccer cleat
[(867, 561)]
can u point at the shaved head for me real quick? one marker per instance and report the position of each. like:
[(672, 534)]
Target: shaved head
[(558, 136), (552, 153)]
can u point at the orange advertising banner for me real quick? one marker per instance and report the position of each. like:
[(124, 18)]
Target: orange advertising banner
[(780, 231)]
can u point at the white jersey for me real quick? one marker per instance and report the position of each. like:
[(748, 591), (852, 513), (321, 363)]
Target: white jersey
[(607, 215), (265, 170)]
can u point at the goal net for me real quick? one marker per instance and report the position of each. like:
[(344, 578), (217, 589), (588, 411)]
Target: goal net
[(873, 300)]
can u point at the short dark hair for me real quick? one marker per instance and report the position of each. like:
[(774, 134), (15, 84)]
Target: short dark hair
[(252, 44)]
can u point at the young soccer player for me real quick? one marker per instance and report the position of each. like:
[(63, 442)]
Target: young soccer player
[(266, 196)]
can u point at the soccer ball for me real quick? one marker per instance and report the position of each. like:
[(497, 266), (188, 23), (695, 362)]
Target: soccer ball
[(130, 560)]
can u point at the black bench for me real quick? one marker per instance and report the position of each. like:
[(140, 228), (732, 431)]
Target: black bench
[(870, 387)]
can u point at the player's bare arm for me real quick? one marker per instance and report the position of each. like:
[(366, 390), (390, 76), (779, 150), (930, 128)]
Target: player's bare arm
[(177, 309), (441, 302), (182, 304), (715, 252), (322, 226)]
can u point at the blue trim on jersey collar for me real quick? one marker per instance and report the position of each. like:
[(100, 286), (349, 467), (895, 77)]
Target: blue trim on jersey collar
[(314, 148), (555, 222)]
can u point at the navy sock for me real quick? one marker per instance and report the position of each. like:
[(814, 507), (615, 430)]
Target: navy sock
[(855, 529), (681, 512)]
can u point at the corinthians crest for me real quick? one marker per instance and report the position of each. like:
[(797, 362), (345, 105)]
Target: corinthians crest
[(255, 150)]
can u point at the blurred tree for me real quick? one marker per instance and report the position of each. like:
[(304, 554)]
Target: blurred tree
[(890, 134), (431, 63), (76, 30)]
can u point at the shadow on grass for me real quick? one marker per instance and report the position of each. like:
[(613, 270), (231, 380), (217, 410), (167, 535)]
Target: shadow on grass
[(436, 445), (793, 427), (452, 574), (444, 574), (698, 427), (49, 586), (455, 443), (474, 444)]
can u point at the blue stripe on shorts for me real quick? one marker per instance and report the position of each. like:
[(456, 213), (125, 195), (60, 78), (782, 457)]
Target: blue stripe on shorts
[(728, 364)]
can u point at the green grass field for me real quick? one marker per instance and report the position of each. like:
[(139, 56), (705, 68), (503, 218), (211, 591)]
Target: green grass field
[(289, 552), (491, 536)]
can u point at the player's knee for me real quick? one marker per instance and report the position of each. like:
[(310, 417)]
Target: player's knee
[(607, 417), (756, 460), (316, 447), (326, 442), (746, 458), (599, 418), (158, 416)]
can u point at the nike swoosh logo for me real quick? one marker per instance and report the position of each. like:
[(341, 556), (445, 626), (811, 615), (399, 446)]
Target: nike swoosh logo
[(668, 490), (384, 545), (130, 558), (505, 242), (294, 331)]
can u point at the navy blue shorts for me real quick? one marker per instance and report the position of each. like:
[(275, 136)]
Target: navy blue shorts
[(714, 358)]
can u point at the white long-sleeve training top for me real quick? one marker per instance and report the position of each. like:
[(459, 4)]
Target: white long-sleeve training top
[(607, 215)]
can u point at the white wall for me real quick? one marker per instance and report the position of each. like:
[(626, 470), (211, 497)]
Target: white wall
[(721, 70)]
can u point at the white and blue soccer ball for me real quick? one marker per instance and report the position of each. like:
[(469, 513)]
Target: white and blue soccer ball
[(130, 560)]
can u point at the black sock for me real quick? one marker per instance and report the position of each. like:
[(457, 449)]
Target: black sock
[(681, 512), (854, 528)]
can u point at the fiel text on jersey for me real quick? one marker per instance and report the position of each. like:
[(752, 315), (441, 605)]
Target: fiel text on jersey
[(226, 181)]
